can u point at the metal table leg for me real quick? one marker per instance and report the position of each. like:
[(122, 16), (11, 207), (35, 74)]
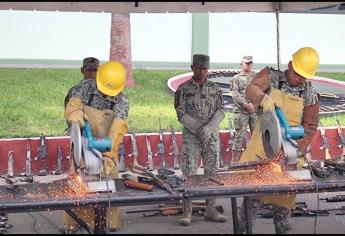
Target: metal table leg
[(78, 220), (247, 214), (234, 215), (100, 219)]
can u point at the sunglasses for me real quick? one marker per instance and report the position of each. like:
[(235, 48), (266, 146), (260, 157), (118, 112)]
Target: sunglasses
[(249, 63)]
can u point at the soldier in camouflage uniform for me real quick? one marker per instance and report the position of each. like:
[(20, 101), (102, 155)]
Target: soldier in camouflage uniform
[(89, 70), (244, 112), (102, 103), (293, 92), (199, 107)]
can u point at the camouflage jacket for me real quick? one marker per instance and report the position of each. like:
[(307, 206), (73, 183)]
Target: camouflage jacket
[(238, 87), (200, 102), (87, 91)]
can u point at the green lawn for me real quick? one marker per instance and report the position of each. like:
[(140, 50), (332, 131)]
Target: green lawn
[(32, 101)]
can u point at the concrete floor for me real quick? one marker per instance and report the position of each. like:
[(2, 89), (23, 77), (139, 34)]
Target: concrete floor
[(48, 222)]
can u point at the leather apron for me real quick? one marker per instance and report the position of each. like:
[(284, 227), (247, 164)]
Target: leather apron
[(100, 123), (292, 107)]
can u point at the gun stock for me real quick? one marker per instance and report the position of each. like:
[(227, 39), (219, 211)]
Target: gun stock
[(136, 185)]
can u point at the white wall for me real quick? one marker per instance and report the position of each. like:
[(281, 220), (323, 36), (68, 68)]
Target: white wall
[(161, 36), (54, 35), (233, 35)]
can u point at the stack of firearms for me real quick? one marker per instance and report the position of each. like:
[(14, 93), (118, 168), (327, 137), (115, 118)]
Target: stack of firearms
[(198, 208)]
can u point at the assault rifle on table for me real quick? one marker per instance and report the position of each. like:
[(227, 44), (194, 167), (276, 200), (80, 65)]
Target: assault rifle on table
[(28, 160), (336, 198), (122, 164), (149, 155), (175, 149), (134, 153), (58, 170), (324, 141), (160, 147), (317, 169), (158, 181), (246, 140)]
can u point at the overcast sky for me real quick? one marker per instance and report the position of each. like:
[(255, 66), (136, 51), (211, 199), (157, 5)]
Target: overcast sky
[(167, 37)]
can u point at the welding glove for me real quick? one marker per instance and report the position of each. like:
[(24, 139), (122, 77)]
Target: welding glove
[(73, 112), (205, 132), (267, 104), (190, 123), (117, 131)]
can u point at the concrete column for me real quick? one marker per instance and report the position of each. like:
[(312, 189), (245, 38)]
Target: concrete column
[(120, 43), (200, 33)]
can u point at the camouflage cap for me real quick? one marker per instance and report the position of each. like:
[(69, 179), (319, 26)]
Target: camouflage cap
[(247, 59), (201, 61), (90, 63)]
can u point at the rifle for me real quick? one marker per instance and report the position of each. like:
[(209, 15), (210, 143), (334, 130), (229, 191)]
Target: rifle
[(317, 169), (173, 210), (160, 147), (122, 166), (28, 160), (336, 198), (149, 155), (59, 159), (10, 161), (219, 155), (42, 154), (324, 141), (232, 135), (175, 150), (137, 185), (134, 153), (158, 181), (341, 137)]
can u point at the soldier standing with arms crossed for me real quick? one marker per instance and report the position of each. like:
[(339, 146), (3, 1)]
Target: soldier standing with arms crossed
[(199, 107), (244, 112)]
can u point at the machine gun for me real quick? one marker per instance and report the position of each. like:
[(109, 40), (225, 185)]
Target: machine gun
[(158, 181), (341, 137), (160, 147), (149, 155), (317, 169), (122, 167), (42, 154), (175, 150), (28, 160), (59, 160), (324, 141), (134, 153), (10, 161)]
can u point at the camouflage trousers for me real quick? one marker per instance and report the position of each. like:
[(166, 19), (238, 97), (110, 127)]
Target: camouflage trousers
[(241, 122), (281, 217), (192, 150)]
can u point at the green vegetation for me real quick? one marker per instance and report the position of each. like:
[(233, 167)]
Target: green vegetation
[(331, 75), (32, 101)]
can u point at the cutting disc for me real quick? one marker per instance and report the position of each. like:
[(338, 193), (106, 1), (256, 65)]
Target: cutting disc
[(271, 134), (75, 144)]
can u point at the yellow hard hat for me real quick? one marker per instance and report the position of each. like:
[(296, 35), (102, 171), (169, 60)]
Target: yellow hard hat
[(111, 78), (305, 62)]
